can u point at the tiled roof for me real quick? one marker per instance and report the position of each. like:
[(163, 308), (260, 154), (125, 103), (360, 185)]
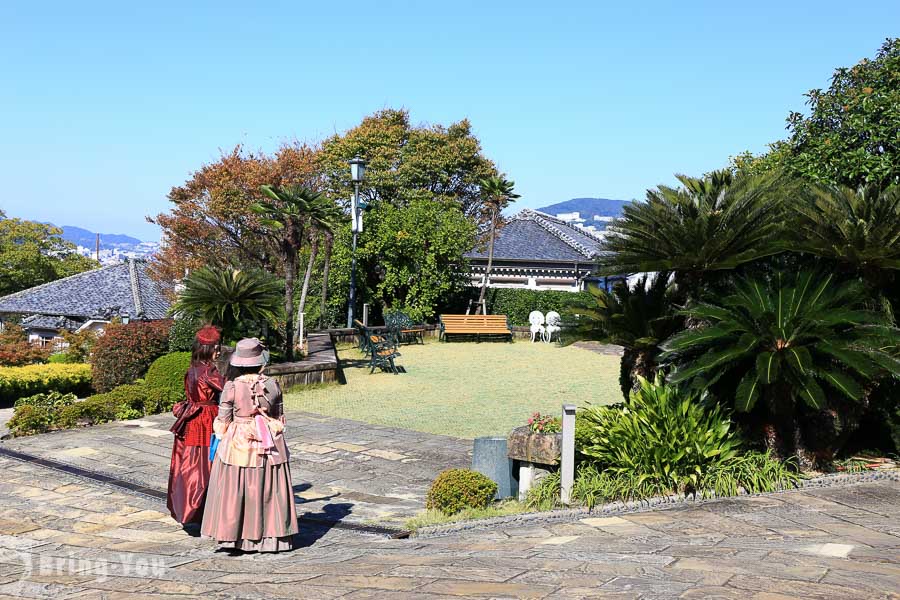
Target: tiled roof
[(50, 322), (108, 291), (533, 235)]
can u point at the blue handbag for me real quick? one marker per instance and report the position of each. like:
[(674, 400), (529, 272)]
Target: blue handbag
[(213, 446)]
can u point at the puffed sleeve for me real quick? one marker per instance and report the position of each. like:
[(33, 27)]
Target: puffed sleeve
[(214, 379), (226, 409)]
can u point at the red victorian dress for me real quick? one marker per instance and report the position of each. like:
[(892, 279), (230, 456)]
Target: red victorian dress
[(189, 471)]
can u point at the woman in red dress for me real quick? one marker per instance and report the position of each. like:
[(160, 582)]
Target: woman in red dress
[(189, 471)]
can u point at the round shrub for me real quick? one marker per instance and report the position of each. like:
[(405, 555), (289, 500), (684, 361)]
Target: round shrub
[(181, 335), (124, 352), (458, 489), (160, 400), (28, 420), (167, 373)]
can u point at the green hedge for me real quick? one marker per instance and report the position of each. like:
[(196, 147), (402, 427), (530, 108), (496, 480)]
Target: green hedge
[(19, 382), (517, 304), (457, 489), (167, 373)]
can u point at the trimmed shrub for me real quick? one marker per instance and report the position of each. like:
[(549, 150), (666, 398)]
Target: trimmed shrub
[(517, 304), (167, 373), (160, 400), (457, 489), (181, 335), (28, 420), (125, 352), (123, 402), (18, 382), (61, 358)]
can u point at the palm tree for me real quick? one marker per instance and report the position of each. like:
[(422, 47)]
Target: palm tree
[(780, 339), (230, 297), (323, 216), (638, 318), (287, 216), (857, 229), (714, 223), (498, 193)]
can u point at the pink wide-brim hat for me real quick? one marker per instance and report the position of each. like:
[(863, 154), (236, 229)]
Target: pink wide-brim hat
[(249, 352)]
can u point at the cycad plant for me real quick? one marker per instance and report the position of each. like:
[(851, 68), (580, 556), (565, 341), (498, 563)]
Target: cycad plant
[(714, 223), (229, 298), (638, 318), (857, 229), (781, 339)]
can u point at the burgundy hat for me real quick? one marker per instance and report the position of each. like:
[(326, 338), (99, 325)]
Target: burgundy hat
[(249, 352), (209, 335)]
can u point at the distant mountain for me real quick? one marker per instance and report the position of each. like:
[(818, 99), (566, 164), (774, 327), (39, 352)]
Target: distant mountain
[(83, 237), (588, 207)]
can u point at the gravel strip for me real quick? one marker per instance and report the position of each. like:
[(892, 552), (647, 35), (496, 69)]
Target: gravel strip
[(655, 503)]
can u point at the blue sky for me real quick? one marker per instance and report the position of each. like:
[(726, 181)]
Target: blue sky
[(105, 106)]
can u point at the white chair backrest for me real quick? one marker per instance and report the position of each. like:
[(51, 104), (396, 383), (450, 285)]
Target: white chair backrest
[(536, 317), (553, 318)]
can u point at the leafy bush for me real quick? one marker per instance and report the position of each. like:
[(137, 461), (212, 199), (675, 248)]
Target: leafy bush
[(661, 433), (16, 351), (181, 335), (124, 352), (167, 373), (81, 344), (160, 400), (457, 489), (52, 401), (28, 420), (123, 402), (516, 304), (62, 358), (18, 382)]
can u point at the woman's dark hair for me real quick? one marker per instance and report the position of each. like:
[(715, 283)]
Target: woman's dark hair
[(202, 353), (235, 372)]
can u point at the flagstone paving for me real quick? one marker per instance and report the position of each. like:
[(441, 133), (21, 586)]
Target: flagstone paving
[(362, 472), (63, 537)]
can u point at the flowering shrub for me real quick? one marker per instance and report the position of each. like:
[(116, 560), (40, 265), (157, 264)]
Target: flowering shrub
[(15, 350), (18, 382), (125, 352), (539, 423)]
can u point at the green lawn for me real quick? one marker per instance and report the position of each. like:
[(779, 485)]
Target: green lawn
[(466, 389)]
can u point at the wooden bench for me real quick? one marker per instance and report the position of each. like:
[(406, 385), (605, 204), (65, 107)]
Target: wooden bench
[(477, 326)]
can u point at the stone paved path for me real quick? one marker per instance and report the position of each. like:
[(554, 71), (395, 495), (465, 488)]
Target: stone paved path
[(63, 538), (355, 471)]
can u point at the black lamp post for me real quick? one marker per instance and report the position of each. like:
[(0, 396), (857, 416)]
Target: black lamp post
[(357, 171)]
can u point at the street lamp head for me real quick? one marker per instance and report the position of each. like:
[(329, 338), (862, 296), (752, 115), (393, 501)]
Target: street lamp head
[(357, 169)]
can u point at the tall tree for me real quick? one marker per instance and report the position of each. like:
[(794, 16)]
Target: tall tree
[(324, 215), (210, 222), (33, 253), (849, 137), (287, 215), (407, 162), (498, 193)]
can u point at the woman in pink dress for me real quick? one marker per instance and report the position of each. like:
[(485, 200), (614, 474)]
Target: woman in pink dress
[(189, 469), (250, 504)]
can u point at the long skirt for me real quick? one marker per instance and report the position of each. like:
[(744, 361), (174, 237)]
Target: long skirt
[(188, 481), (251, 508)]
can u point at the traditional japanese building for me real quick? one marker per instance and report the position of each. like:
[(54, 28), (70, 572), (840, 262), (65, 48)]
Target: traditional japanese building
[(88, 300), (537, 251)]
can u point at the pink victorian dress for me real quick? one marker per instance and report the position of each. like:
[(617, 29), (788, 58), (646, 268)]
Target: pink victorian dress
[(250, 503), (189, 468)]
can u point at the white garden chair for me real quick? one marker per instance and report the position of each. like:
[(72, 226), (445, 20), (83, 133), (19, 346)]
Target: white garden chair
[(536, 318), (553, 326)]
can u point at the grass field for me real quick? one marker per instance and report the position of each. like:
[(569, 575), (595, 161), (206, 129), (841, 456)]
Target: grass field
[(465, 389)]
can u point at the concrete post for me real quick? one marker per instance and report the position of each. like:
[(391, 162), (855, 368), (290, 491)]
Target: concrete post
[(365, 318), (301, 331), (567, 468)]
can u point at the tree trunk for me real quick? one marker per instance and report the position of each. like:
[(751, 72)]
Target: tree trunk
[(487, 270), (313, 253), (290, 269), (329, 242)]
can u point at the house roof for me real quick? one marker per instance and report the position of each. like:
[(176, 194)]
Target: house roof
[(533, 235), (50, 322), (115, 290)]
